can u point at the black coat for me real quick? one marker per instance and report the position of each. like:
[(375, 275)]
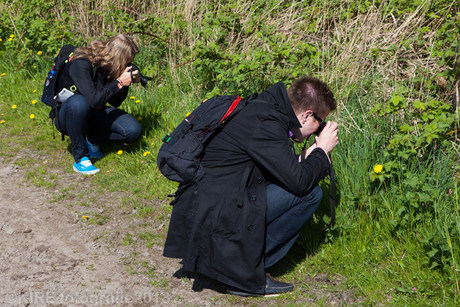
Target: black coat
[(218, 225), (91, 82)]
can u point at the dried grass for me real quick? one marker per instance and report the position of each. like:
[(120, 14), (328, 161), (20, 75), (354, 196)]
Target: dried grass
[(375, 43)]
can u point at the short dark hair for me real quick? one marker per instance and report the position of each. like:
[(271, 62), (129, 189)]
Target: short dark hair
[(310, 93)]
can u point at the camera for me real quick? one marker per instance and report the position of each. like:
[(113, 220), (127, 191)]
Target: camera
[(143, 78), (320, 128)]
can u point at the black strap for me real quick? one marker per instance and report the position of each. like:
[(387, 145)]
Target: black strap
[(332, 200)]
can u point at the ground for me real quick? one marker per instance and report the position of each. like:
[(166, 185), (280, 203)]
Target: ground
[(51, 255)]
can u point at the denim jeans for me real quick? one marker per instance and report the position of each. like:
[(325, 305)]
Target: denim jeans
[(78, 121), (287, 213)]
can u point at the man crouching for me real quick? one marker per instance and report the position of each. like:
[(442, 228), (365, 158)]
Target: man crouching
[(247, 211)]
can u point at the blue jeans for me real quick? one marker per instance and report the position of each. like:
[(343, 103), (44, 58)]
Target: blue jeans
[(287, 213), (78, 121)]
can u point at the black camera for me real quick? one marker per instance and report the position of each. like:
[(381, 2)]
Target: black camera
[(320, 128), (143, 78)]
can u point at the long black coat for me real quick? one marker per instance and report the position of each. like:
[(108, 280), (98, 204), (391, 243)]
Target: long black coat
[(218, 225)]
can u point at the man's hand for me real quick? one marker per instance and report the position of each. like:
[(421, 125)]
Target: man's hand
[(309, 150), (328, 138)]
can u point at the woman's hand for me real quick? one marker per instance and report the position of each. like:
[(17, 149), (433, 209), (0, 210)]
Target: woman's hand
[(328, 138), (126, 77)]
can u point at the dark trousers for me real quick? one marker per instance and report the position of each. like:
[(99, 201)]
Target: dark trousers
[(287, 213), (78, 121)]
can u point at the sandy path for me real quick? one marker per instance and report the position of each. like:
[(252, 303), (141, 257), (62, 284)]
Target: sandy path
[(47, 258)]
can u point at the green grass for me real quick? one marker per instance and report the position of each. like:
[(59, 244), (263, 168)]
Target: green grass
[(385, 248)]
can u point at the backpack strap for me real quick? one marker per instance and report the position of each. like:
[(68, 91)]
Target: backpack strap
[(331, 199)]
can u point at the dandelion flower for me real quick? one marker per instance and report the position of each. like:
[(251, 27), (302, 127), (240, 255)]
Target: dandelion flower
[(34, 91), (34, 101), (14, 106), (35, 66), (10, 39), (120, 152), (0, 39), (188, 114), (146, 153), (39, 53), (3, 74), (12, 35), (133, 97), (138, 101), (32, 115), (152, 144), (1, 122), (378, 168), (84, 217)]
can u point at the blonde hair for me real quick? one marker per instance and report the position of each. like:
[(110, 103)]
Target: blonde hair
[(113, 54)]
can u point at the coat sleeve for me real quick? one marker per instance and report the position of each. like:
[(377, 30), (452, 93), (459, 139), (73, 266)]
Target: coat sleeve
[(270, 148), (81, 74)]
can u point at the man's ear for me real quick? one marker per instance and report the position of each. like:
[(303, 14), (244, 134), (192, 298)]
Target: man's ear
[(306, 114)]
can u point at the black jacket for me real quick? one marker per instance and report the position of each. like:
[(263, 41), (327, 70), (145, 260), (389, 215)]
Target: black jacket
[(218, 224), (92, 83)]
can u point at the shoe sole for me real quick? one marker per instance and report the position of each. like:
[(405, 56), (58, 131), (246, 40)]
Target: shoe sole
[(246, 294), (87, 172)]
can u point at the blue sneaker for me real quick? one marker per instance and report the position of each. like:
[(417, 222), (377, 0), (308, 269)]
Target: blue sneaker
[(85, 167), (94, 151)]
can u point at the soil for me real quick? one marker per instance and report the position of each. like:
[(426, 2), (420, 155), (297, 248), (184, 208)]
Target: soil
[(52, 256)]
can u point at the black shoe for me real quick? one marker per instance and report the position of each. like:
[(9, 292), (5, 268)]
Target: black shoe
[(273, 287)]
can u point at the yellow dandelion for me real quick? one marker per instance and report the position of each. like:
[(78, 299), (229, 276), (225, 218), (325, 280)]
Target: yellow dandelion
[(138, 101), (10, 39), (35, 66), (133, 97), (3, 74), (34, 91), (32, 115), (146, 153), (84, 217), (12, 35), (120, 152), (152, 144), (188, 114), (1, 122), (378, 168), (0, 39), (39, 53), (34, 101), (14, 106)]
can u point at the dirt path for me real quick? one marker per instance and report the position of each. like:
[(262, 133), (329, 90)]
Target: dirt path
[(49, 257)]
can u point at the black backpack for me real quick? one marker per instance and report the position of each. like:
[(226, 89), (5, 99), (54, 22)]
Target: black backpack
[(180, 155), (49, 89)]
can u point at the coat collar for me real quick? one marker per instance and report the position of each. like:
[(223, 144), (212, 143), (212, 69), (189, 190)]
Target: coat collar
[(277, 95)]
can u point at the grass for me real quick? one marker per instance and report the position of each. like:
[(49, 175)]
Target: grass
[(362, 253), (387, 247)]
